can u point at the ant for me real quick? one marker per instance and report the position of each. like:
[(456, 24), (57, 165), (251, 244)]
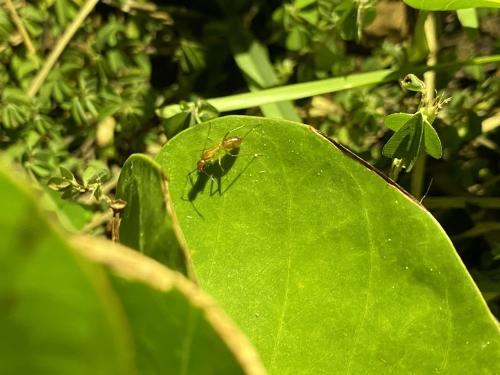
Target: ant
[(210, 155), (217, 152)]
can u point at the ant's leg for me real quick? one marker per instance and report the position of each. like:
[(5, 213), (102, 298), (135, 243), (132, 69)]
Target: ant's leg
[(243, 155), (208, 138), (251, 130), (188, 179), (234, 156), (219, 186), (237, 128), (211, 177), (216, 181), (248, 132), (220, 163), (233, 130), (215, 189)]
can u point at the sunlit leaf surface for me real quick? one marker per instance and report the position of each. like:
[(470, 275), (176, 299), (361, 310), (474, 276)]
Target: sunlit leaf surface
[(326, 266)]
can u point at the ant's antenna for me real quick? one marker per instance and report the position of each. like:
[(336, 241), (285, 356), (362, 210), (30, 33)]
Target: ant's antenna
[(206, 140)]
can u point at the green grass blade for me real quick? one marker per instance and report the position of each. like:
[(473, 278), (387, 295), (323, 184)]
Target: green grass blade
[(329, 85), (253, 60), (452, 4)]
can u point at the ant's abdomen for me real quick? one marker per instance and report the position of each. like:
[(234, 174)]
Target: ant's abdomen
[(231, 142)]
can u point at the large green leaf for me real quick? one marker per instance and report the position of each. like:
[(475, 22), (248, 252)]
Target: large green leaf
[(326, 266), (452, 4), (177, 329), (146, 225), (58, 314)]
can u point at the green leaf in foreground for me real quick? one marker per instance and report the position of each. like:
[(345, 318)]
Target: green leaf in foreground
[(58, 314), (177, 329), (326, 266), (146, 224)]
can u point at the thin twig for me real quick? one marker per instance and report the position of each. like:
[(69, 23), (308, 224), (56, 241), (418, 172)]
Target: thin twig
[(20, 28), (42, 74), (98, 220)]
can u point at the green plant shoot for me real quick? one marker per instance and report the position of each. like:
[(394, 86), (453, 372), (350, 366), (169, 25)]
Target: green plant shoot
[(413, 132)]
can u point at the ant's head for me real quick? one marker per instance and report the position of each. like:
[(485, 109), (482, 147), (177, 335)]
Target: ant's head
[(200, 165)]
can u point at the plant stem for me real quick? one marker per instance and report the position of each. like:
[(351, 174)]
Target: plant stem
[(432, 42), (417, 176), (59, 47), (20, 28), (418, 173), (97, 221)]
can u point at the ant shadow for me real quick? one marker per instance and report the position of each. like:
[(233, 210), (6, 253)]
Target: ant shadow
[(215, 173)]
